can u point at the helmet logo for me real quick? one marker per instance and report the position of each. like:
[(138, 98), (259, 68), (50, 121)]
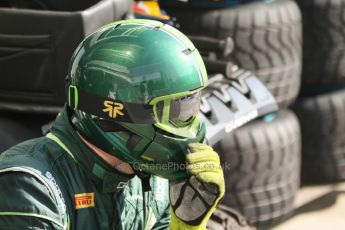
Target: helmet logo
[(113, 108)]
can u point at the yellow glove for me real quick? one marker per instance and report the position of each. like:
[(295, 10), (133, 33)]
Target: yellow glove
[(194, 199)]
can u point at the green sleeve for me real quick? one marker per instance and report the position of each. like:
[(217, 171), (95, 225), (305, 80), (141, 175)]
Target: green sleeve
[(26, 203), (164, 221)]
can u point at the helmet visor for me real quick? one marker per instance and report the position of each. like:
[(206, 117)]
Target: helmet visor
[(177, 113), (183, 110)]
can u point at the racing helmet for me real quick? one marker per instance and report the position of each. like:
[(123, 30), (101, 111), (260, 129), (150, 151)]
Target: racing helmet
[(134, 90)]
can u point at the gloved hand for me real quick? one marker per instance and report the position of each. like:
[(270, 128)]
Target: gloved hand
[(194, 199)]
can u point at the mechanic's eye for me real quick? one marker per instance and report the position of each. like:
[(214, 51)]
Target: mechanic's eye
[(184, 109)]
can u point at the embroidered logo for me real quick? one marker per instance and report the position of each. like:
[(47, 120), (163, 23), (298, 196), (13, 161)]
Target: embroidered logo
[(113, 108), (84, 200)]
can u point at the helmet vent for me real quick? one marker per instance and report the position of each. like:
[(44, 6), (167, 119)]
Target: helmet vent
[(187, 51), (155, 28), (117, 25)]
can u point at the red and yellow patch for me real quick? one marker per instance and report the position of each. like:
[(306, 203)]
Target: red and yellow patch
[(84, 200)]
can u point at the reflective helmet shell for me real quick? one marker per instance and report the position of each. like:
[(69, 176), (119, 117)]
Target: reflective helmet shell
[(137, 61)]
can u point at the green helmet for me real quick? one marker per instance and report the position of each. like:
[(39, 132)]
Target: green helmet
[(134, 87)]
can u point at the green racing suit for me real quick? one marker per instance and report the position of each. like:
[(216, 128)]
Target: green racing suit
[(57, 182)]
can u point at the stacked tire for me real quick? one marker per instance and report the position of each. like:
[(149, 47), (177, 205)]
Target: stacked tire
[(324, 42), (267, 40), (264, 159), (321, 106), (264, 156), (323, 134)]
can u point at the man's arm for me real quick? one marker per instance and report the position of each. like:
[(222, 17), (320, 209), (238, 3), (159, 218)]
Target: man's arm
[(26, 203), (194, 199)]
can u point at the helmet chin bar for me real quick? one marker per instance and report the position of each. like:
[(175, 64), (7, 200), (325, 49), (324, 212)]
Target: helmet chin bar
[(165, 156), (158, 152)]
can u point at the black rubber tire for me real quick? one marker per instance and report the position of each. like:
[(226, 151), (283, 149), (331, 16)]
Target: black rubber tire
[(18, 127), (264, 174), (226, 218), (323, 134), (267, 40), (324, 42), (12, 133)]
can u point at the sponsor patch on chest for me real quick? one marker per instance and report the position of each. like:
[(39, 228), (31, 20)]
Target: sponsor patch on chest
[(84, 200)]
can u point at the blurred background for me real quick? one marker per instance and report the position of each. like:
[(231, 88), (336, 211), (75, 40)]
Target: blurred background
[(286, 168)]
